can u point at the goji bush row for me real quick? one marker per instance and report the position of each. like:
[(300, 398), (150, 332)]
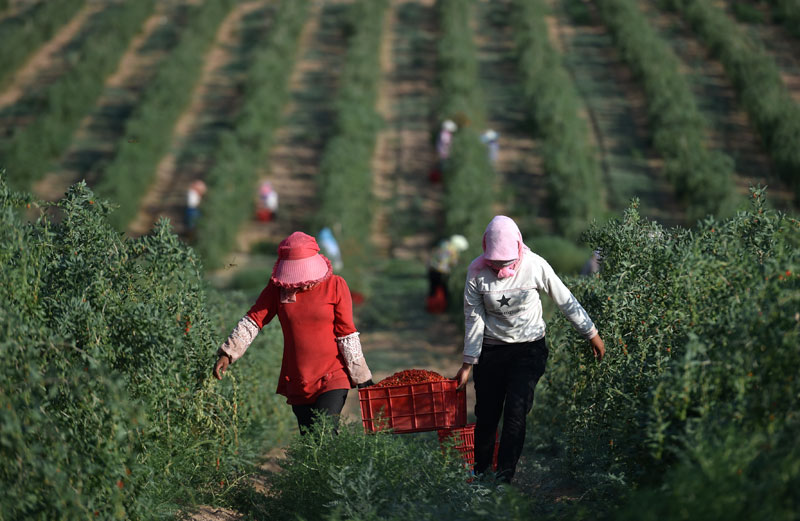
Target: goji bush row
[(242, 152), (553, 104), (148, 131), (30, 30), (107, 406), (697, 395), (701, 177), (345, 170), (758, 82), (61, 106)]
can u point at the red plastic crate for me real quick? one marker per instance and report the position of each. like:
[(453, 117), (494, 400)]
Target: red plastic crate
[(464, 439), (426, 406)]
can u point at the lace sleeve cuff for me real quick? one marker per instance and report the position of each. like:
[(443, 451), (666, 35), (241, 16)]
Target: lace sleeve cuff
[(240, 339), (355, 363)]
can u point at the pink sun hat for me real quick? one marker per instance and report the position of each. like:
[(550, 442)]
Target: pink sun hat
[(299, 262)]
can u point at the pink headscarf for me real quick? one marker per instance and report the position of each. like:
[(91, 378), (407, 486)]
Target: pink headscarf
[(502, 240)]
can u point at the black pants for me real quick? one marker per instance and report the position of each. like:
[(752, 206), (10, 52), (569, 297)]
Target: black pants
[(505, 378), (437, 279), (329, 402)]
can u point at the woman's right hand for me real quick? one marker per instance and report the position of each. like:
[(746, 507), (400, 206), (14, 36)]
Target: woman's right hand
[(598, 347), (221, 366), (463, 375)]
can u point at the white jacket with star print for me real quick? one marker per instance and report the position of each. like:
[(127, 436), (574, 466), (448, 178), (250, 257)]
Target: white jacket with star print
[(509, 310)]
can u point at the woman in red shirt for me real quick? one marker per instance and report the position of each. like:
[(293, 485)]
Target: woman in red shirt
[(322, 357)]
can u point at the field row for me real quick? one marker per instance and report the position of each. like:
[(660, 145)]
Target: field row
[(193, 90)]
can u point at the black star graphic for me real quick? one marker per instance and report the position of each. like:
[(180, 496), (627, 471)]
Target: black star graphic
[(503, 301)]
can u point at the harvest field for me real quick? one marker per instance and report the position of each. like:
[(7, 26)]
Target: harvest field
[(665, 133)]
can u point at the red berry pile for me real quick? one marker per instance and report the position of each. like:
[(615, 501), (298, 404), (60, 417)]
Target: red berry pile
[(411, 376)]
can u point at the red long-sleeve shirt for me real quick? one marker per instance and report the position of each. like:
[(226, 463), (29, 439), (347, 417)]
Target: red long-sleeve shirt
[(311, 360)]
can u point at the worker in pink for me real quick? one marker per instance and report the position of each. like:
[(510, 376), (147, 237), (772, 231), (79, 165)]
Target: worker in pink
[(322, 357), (504, 338)]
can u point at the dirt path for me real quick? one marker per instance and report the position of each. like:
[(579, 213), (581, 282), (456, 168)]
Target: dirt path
[(618, 114), (730, 130), (300, 140), (396, 331), (94, 143), (48, 61), (408, 213), (521, 175), (214, 102)]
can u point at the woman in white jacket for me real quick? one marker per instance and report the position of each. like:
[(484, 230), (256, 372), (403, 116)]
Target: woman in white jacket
[(505, 338)]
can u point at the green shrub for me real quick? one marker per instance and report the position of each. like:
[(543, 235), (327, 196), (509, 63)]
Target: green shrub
[(107, 406), (729, 476), (359, 477), (788, 13), (345, 187), (468, 176), (578, 12), (563, 255), (702, 341), (747, 12)]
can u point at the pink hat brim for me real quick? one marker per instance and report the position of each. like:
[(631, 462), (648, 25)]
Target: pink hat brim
[(297, 273)]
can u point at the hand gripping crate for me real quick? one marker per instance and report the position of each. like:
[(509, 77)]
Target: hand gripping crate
[(426, 406), (462, 439)]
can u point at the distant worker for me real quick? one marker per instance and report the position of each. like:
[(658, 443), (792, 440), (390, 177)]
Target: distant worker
[(444, 258), (194, 194), (329, 246), (491, 139), (444, 142), (267, 202), (592, 265)]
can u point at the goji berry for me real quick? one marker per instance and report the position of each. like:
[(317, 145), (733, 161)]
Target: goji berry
[(410, 376)]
